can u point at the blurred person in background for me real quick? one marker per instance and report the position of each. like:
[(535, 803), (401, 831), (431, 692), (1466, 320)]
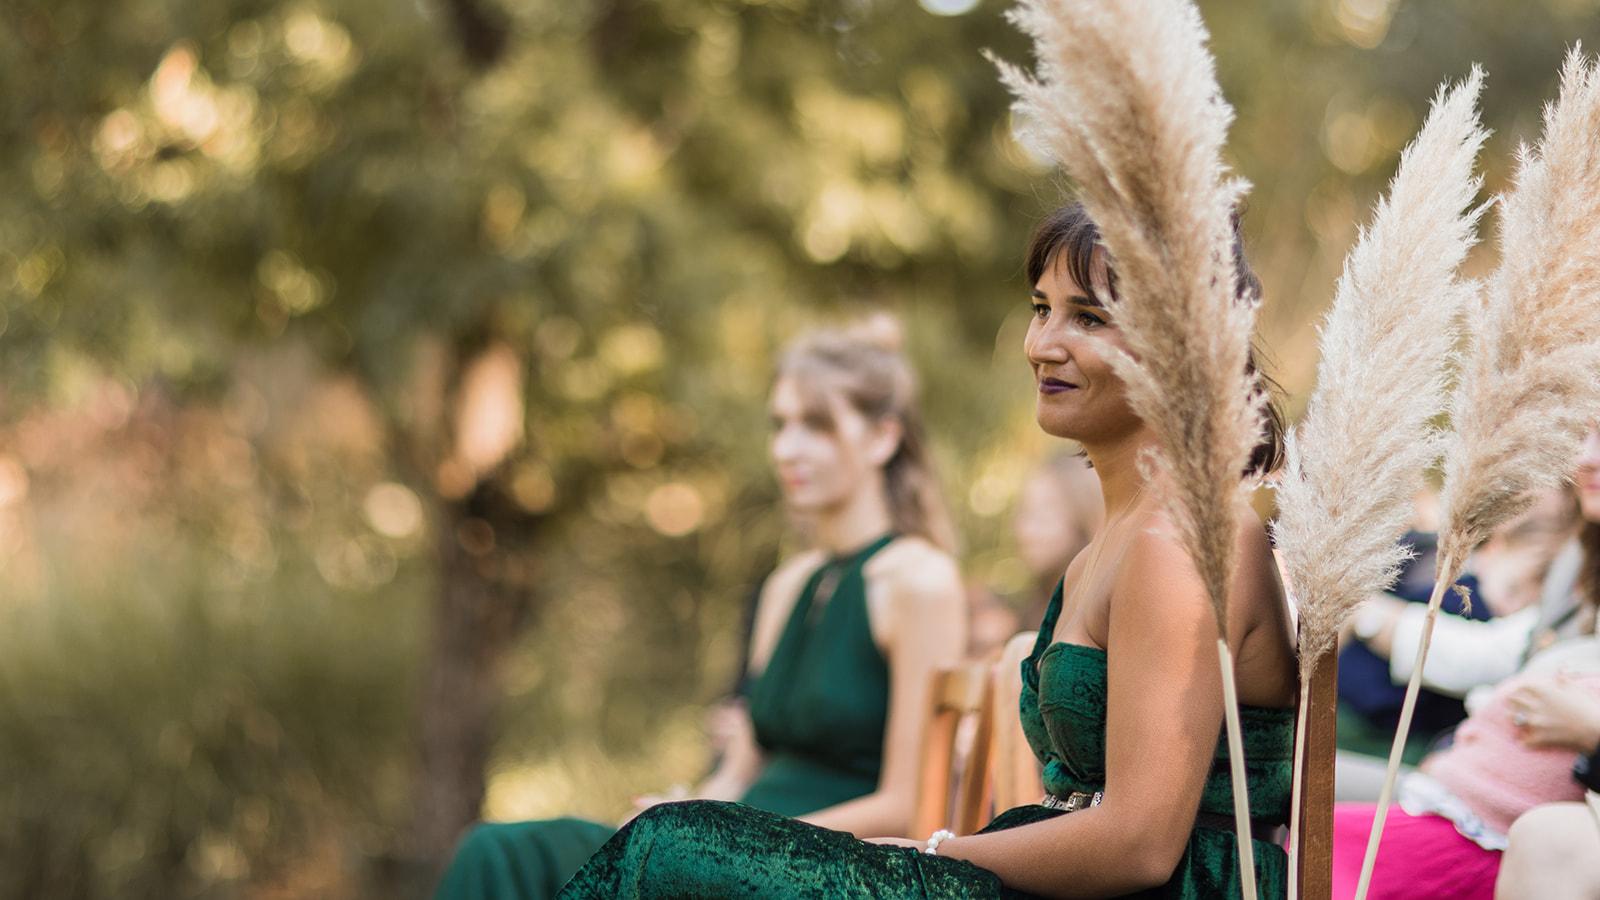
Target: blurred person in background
[(1531, 576), (1504, 580), (844, 635), (1058, 512), (1515, 753)]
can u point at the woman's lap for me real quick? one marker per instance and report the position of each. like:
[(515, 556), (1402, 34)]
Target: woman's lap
[(1419, 858), (712, 849), (520, 860)]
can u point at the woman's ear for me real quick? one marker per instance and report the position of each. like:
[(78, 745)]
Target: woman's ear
[(885, 442)]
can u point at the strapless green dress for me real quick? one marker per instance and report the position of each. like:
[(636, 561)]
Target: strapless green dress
[(715, 850), (818, 708)]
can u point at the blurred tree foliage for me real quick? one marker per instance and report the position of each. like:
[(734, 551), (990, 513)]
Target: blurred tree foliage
[(541, 255)]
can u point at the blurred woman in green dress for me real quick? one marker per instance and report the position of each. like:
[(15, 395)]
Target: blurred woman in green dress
[(845, 634), (1122, 698)]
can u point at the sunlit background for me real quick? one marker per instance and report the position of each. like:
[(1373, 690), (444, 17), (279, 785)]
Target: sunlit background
[(381, 421)]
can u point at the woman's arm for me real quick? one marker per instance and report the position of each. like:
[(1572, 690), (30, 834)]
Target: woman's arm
[(742, 760), (1164, 720), (1466, 653), (922, 618)]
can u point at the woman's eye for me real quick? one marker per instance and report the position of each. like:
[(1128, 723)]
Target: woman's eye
[(1089, 320), (1041, 311)]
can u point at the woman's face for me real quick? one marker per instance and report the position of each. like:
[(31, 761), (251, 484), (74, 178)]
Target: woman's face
[(823, 457), (1589, 477), (1047, 536), (1079, 397)]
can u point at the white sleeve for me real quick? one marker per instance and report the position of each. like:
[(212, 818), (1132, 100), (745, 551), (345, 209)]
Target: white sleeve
[(1464, 653)]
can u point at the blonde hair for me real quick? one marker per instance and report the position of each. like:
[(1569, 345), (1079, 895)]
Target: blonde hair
[(862, 363)]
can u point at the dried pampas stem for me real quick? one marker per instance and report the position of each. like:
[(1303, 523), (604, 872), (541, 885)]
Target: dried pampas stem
[(1126, 99), (1241, 799), (1359, 454), (1530, 388), (1295, 794)]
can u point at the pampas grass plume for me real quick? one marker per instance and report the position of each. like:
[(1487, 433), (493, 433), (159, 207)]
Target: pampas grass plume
[(1530, 389), (1360, 452)]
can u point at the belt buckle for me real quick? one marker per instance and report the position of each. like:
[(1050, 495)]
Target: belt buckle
[(1074, 801)]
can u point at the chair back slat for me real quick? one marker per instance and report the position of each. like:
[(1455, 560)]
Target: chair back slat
[(1016, 769), (1315, 864), (954, 779)]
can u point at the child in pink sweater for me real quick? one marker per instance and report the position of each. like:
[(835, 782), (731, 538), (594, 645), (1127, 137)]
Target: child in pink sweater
[(1445, 838)]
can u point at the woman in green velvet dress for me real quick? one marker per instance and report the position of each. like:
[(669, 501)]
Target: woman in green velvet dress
[(1122, 698), (844, 635)]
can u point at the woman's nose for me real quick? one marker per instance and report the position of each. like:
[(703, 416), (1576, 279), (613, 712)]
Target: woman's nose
[(1049, 344), (783, 445), (1589, 456)]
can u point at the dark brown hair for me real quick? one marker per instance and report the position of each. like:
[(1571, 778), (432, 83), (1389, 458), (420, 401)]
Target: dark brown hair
[(1070, 236), (1589, 577)]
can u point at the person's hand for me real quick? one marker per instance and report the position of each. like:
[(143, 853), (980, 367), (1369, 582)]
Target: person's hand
[(897, 842), (645, 801), (1554, 712), (1374, 621)]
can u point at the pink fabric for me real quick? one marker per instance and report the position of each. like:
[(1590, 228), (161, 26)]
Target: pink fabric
[(1419, 858), (1494, 773)]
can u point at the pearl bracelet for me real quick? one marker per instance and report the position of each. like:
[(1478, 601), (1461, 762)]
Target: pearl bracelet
[(938, 838)]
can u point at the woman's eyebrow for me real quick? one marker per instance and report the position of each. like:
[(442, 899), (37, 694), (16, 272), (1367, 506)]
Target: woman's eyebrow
[(1074, 299)]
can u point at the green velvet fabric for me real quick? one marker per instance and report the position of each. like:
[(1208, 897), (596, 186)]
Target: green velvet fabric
[(703, 850), (818, 708)]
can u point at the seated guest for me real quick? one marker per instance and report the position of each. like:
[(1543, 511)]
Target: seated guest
[(1512, 755), (844, 636), (1122, 696), (1058, 511), (1538, 548), (1532, 561), (1369, 697), (1445, 838)]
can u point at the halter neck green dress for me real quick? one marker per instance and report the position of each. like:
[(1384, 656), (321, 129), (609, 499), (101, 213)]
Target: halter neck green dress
[(818, 708), (705, 849)]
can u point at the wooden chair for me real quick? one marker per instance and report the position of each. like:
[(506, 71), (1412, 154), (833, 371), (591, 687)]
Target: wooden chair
[(976, 760), (1315, 865), (1015, 768), (955, 789)]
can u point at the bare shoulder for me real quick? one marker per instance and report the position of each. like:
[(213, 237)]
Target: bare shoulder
[(1257, 563), (1157, 565), (916, 601), (913, 567)]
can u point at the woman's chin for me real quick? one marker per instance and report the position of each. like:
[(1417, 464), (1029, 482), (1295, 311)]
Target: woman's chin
[(1589, 505), (1057, 426)]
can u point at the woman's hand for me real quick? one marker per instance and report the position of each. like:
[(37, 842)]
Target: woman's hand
[(1553, 712), (645, 801), (897, 842)]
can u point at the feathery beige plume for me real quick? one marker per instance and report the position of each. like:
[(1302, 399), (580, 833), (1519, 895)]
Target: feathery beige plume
[(1125, 97), (1359, 453), (1530, 388)]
